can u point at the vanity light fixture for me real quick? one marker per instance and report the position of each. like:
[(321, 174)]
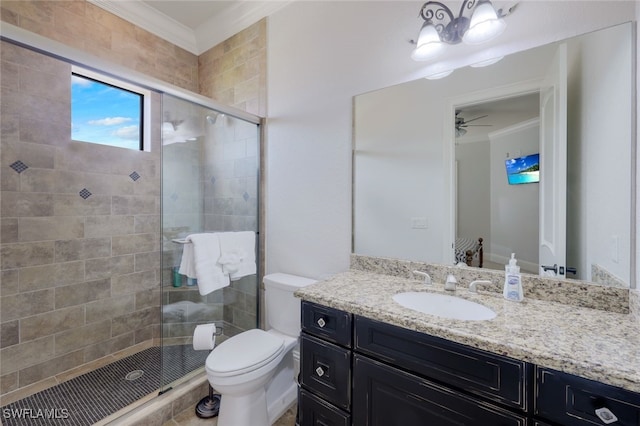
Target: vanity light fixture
[(442, 26)]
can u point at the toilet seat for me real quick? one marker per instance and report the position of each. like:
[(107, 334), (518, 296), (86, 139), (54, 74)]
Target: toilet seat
[(243, 353)]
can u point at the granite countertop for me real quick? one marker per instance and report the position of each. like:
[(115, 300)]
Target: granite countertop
[(591, 343)]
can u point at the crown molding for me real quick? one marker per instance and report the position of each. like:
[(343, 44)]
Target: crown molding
[(215, 30), (150, 19), (232, 20)]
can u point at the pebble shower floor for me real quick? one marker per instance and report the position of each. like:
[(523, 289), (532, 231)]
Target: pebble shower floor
[(88, 398)]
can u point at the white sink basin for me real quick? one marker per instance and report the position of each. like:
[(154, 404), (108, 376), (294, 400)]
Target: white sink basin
[(445, 306)]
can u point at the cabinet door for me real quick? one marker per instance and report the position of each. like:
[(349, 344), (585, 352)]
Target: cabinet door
[(572, 401), (495, 377), (327, 323), (326, 370), (385, 396), (316, 412)]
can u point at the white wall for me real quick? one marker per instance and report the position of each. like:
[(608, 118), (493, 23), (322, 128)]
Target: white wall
[(321, 54), (473, 195), (597, 218), (514, 208)]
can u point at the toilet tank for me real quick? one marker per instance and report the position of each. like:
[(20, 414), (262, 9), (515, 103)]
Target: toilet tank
[(282, 308)]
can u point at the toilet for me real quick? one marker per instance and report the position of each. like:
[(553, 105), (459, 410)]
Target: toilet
[(255, 371)]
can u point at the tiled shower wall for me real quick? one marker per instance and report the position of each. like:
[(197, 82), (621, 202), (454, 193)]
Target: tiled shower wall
[(80, 275), (84, 26), (233, 73)]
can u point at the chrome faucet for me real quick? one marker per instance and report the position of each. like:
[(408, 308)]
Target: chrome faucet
[(473, 287), (427, 277), (451, 283)]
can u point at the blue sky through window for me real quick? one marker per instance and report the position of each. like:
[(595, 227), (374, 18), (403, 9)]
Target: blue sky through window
[(104, 114)]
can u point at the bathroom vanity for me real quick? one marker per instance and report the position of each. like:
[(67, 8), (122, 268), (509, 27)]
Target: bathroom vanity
[(365, 360)]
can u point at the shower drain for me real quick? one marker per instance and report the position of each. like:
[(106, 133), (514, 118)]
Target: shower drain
[(134, 375)]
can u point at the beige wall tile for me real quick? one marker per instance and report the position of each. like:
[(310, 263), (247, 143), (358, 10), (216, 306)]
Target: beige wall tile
[(106, 226), (9, 282), (80, 249), (26, 254), (52, 322), (107, 347), (9, 230), (8, 383), (130, 322), (9, 333), (109, 308), (78, 294), (133, 283), (122, 265), (133, 205), (26, 304), (134, 243), (24, 355), (50, 228), (81, 337), (49, 368), (74, 205), (19, 204), (51, 275)]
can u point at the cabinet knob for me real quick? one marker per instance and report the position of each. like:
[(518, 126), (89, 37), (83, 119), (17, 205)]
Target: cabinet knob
[(321, 323), (319, 371), (606, 415)]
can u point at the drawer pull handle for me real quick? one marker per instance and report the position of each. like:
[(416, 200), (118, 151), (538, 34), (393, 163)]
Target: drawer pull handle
[(319, 371), (606, 416), (322, 322)]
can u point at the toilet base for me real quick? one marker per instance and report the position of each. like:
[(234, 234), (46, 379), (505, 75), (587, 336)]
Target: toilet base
[(248, 409)]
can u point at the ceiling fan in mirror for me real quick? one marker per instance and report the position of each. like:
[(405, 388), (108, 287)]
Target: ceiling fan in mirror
[(461, 124)]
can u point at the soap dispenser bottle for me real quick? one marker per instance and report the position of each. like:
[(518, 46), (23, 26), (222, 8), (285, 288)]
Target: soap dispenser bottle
[(513, 281)]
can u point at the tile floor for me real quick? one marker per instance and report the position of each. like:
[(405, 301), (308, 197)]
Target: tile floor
[(189, 418)]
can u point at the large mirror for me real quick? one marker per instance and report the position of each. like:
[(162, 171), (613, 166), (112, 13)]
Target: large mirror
[(540, 169)]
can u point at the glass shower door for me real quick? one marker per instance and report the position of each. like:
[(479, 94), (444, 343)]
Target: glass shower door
[(210, 181)]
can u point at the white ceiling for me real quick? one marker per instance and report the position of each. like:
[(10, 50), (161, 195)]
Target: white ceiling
[(194, 25)]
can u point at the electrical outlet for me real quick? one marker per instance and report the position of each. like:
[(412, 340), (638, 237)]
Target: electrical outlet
[(419, 223)]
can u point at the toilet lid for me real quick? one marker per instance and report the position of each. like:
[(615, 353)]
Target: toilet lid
[(244, 352)]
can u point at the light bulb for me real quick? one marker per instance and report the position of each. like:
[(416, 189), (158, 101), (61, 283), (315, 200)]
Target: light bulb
[(428, 45), (484, 25)]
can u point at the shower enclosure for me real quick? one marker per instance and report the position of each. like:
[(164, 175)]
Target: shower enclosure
[(210, 163), (92, 319)]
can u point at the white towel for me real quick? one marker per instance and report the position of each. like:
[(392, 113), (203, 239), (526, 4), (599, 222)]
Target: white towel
[(201, 261), (238, 253)]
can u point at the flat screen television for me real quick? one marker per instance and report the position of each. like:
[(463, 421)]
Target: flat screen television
[(524, 169)]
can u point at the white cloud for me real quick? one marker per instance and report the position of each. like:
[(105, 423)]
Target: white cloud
[(127, 132), (80, 81), (110, 121)]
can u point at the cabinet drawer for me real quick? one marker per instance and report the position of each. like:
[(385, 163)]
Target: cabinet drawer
[(328, 323), (388, 396), (326, 370), (571, 400), (495, 377), (315, 412)]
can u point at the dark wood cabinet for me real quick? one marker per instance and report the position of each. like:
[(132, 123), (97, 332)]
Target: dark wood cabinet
[(388, 396), (326, 370), (497, 378), (575, 401), (361, 372)]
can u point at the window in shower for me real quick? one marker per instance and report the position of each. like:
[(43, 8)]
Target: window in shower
[(107, 111)]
